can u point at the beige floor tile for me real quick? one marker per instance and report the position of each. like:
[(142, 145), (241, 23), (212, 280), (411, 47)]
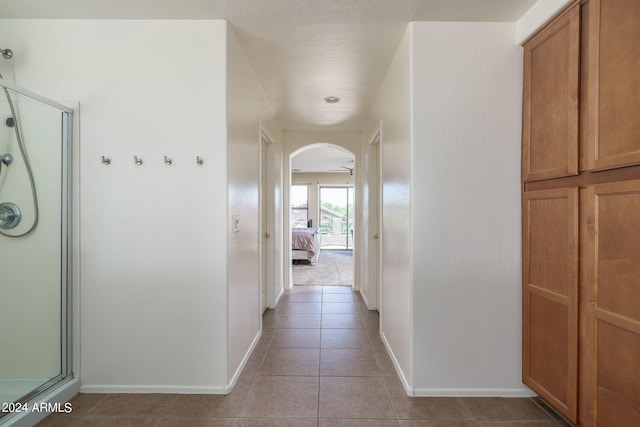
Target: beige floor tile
[(523, 424), (354, 397), (425, 408), (133, 405), (83, 403), (193, 422), (277, 422), (344, 338), (434, 423), (270, 319), (304, 321), (348, 362), (337, 289), (505, 409), (341, 321), (385, 364), (301, 307), (291, 361), (305, 297), (272, 396), (338, 298), (358, 423), (296, 338), (255, 361), (339, 308)]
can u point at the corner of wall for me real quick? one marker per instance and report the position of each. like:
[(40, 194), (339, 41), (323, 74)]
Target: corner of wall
[(538, 15)]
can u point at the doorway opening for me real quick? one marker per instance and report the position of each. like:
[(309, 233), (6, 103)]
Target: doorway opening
[(322, 207), (336, 218)]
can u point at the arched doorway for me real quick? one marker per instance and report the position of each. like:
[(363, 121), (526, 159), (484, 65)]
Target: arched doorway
[(322, 188)]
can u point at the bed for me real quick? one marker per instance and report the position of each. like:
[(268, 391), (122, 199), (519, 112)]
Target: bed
[(305, 244)]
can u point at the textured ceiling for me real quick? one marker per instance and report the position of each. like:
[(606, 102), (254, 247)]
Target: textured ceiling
[(301, 50)]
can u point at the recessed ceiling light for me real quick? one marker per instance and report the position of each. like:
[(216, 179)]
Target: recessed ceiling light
[(332, 99)]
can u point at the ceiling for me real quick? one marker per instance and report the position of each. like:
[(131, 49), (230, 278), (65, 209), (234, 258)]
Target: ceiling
[(301, 50)]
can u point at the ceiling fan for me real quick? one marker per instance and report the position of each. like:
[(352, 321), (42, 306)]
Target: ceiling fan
[(344, 169)]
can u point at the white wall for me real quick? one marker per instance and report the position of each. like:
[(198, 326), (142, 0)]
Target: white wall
[(465, 209), (392, 107), (153, 253), (247, 108), (450, 109)]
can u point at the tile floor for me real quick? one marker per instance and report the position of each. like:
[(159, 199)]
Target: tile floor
[(320, 363)]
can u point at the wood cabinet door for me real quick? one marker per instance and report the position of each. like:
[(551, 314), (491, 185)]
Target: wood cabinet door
[(613, 84), (612, 359), (550, 99), (550, 296)]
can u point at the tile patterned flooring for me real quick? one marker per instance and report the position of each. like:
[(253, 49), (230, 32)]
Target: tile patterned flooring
[(319, 363)]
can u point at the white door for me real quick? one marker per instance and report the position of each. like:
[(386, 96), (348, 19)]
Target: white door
[(375, 221), (265, 217)]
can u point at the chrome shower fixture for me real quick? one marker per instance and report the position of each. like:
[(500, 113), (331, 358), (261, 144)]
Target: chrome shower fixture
[(7, 53), (6, 159), (10, 216)]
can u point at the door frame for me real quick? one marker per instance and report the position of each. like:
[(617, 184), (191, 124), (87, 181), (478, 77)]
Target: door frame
[(266, 207), (374, 231)]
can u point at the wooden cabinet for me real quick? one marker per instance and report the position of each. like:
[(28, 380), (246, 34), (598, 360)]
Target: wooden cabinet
[(581, 214), (550, 99), (613, 84), (550, 296), (612, 290)]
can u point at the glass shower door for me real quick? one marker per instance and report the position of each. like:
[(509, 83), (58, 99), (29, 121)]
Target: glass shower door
[(34, 218)]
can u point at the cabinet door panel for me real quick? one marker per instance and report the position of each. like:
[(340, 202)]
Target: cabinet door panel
[(550, 109), (614, 212), (550, 296), (614, 84)]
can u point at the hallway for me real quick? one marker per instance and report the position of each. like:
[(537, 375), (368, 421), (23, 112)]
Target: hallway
[(320, 363)]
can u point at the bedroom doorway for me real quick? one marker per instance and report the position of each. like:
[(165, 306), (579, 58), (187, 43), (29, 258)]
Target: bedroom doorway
[(321, 197)]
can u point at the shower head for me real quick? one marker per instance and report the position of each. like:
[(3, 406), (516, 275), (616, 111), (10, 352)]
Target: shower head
[(7, 53)]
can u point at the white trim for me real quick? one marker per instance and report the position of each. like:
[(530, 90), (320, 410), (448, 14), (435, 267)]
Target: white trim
[(403, 379), (137, 389), (473, 392), (245, 359)]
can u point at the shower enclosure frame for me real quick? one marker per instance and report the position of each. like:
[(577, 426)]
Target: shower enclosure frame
[(47, 391)]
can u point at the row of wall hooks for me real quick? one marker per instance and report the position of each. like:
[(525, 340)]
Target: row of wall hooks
[(138, 160)]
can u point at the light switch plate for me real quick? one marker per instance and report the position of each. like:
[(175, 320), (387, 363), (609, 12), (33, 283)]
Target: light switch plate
[(235, 223)]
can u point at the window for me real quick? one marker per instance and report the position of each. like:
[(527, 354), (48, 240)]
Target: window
[(299, 197)]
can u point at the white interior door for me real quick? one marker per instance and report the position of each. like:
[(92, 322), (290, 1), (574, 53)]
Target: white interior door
[(265, 217), (375, 221)]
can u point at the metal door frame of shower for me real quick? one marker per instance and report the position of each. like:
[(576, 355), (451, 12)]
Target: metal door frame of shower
[(66, 242)]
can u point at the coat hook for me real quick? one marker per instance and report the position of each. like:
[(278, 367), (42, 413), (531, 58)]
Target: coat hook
[(106, 160), (137, 160), (167, 160), (199, 161)]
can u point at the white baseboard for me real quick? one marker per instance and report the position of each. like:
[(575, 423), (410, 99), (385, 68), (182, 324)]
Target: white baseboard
[(473, 392), (245, 359), (130, 389), (403, 378)]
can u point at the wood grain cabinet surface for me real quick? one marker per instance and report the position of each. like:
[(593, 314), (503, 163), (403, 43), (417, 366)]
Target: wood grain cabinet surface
[(550, 296), (550, 99), (613, 84), (581, 213)]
